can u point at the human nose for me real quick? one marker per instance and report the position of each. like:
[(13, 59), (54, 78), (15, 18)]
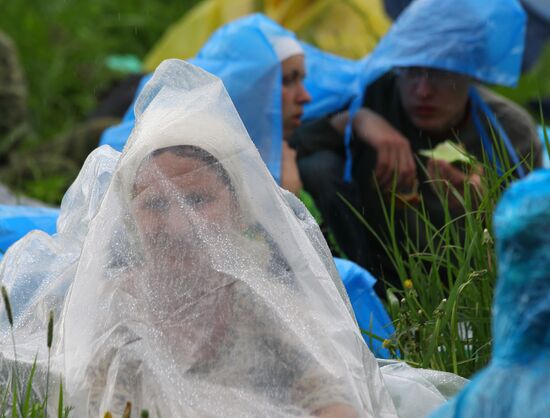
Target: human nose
[(423, 87), (303, 95), (176, 222)]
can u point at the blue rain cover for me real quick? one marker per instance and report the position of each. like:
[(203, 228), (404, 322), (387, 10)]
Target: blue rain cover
[(369, 310), (16, 221), (240, 54), (332, 81), (481, 39), (516, 383), (546, 151)]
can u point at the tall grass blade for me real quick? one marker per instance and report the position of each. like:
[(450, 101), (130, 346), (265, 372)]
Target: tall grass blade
[(60, 410), (25, 409)]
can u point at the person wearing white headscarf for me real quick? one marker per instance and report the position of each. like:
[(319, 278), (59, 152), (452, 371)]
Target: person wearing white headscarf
[(294, 96)]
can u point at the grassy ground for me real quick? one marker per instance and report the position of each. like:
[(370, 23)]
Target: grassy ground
[(442, 311)]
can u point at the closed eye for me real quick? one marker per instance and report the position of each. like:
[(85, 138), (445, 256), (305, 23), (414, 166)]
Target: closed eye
[(293, 78), (198, 200), (156, 203)]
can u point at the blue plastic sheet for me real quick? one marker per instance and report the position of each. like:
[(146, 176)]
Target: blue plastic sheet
[(17, 221), (480, 39), (241, 55), (369, 310), (516, 383), (332, 81), (544, 133)]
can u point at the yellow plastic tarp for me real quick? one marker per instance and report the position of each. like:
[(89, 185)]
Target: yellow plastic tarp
[(349, 28)]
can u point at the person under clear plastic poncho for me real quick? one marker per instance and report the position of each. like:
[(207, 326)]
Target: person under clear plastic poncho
[(198, 293), (262, 67)]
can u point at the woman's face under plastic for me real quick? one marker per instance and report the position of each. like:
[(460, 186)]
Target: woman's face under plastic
[(180, 204)]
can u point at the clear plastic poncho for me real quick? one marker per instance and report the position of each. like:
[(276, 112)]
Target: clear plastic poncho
[(38, 269), (198, 292), (516, 383)]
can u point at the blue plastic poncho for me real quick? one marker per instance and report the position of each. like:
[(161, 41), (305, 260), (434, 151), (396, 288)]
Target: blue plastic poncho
[(240, 53), (516, 383), (481, 39), (544, 133), (369, 311), (16, 221)]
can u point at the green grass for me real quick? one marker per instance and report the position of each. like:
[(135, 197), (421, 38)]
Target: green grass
[(19, 398), (442, 311)]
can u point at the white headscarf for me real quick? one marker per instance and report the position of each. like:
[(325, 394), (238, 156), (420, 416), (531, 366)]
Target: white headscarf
[(285, 47)]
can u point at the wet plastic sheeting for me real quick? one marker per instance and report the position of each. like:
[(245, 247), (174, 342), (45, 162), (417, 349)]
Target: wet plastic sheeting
[(482, 39), (199, 292), (184, 280), (368, 308), (39, 268)]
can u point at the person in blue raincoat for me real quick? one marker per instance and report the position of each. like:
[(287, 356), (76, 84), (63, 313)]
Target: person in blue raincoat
[(421, 87), (516, 382)]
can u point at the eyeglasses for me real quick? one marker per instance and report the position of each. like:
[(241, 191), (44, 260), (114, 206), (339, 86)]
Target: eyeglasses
[(437, 78)]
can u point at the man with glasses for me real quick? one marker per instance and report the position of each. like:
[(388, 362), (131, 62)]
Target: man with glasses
[(407, 110)]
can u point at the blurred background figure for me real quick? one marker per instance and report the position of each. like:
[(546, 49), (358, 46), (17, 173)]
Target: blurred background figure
[(537, 48), (421, 88)]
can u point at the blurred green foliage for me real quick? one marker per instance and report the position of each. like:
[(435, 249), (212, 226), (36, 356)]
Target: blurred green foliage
[(63, 46), (533, 86)]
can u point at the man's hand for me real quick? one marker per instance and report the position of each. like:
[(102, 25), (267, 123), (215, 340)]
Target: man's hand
[(445, 177), (393, 151)]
